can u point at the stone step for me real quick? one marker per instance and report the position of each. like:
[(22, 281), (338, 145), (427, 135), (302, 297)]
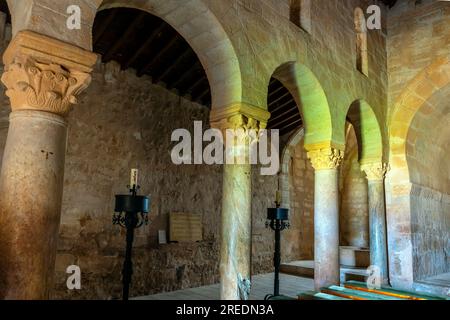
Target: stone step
[(303, 269)]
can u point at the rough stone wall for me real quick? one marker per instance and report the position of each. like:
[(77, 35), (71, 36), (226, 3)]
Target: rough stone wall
[(263, 192), (354, 211), (299, 239)]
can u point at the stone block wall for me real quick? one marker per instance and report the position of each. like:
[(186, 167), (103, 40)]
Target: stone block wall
[(431, 236), (418, 46), (299, 239), (418, 35)]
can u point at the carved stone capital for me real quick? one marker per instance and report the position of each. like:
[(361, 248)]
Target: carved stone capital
[(45, 74), (239, 115), (375, 171), (243, 128), (325, 159)]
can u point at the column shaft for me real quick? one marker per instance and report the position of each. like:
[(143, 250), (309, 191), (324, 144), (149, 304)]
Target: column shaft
[(236, 250), (326, 228), (377, 217), (31, 185), (43, 77)]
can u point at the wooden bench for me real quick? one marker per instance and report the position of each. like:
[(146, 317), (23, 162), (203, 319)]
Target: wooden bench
[(388, 291)]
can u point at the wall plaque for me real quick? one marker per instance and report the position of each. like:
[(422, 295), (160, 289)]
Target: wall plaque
[(185, 227)]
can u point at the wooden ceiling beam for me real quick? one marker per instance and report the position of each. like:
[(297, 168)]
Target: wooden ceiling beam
[(281, 106), (284, 95), (286, 112), (294, 125), (201, 95), (162, 52), (273, 92), (196, 83), (174, 65), (277, 125), (103, 27), (125, 36), (144, 46), (185, 74)]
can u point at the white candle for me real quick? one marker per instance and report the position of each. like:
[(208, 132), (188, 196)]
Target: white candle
[(134, 177)]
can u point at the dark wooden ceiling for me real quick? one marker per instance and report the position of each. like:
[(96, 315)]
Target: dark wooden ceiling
[(285, 114), (389, 3), (4, 8), (139, 40)]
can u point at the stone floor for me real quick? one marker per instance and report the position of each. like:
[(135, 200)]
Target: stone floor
[(262, 285)]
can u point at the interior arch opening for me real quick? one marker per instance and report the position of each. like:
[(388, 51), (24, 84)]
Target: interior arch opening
[(148, 83)]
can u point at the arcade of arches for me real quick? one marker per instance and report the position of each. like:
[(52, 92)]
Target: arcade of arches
[(363, 116)]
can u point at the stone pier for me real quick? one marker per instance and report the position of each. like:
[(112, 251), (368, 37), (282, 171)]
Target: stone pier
[(326, 216), (377, 218), (43, 76), (236, 229)]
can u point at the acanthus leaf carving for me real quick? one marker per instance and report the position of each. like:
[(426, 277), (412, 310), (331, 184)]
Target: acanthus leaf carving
[(42, 86), (375, 171), (327, 158)]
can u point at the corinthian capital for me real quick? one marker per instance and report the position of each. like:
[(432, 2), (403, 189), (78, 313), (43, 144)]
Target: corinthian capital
[(326, 158), (375, 171), (45, 74)]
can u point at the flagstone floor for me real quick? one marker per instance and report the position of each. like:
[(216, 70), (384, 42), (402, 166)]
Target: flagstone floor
[(262, 285)]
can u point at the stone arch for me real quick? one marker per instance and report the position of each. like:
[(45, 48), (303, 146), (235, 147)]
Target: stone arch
[(399, 187), (418, 91), (312, 101), (368, 131), (204, 33), (197, 24), (427, 147)]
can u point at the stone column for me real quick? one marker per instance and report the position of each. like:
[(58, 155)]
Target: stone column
[(43, 76), (326, 216), (236, 228), (375, 173)]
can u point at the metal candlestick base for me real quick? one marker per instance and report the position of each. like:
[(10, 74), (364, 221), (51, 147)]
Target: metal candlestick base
[(131, 212), (277, 220)]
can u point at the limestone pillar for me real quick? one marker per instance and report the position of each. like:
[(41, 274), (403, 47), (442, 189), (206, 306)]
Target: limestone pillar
[(236, 215), (326, 216), (43, 76), (375, 173)]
